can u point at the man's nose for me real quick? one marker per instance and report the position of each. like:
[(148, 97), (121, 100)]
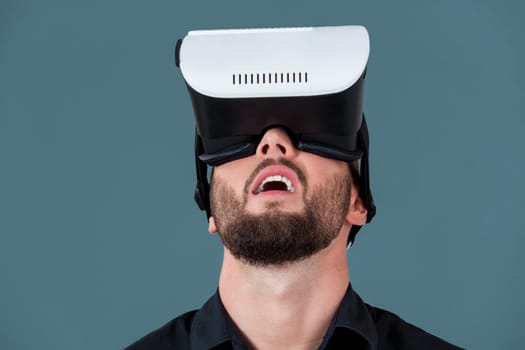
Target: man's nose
[(276, 143)]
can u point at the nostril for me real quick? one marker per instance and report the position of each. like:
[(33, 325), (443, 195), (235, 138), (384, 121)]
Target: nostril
[(266, 148)]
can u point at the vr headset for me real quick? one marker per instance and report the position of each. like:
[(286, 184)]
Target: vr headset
[(309, 81)]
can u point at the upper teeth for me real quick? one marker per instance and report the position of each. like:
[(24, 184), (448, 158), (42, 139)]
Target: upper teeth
[(280, 178)]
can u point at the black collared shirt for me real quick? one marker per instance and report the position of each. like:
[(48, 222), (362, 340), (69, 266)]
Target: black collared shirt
[(356, 325)]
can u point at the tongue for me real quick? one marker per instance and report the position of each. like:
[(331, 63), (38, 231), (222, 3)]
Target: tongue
[(274, 186)]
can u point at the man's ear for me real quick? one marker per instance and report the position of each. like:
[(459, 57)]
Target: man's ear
[(357, 211), (212, 228)]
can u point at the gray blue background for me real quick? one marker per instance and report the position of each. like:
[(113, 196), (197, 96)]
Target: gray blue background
[(100, 241)]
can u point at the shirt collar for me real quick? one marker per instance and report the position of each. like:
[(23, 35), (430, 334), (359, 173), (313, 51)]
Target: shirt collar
[(353, 315), (211, 326)]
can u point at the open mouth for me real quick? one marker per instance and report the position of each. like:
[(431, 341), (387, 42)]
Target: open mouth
[(275, 183), (276, 179)]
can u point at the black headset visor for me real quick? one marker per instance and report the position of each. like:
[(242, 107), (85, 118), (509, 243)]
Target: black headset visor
[(326, 125)]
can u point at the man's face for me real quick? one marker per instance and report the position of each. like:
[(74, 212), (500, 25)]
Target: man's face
[(279, 205)]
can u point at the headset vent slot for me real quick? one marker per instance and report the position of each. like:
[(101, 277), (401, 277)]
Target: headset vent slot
[(270, 78)]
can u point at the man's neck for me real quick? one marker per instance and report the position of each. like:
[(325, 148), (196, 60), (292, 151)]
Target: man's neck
[(285, 307)]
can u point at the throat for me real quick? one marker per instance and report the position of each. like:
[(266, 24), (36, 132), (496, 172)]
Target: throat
[(281, 308), (282, 322)]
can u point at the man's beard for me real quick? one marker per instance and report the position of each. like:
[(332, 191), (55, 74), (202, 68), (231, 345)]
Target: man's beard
[(276, 237)]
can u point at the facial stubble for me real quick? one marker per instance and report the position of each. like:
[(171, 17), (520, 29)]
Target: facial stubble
[(276, 237)]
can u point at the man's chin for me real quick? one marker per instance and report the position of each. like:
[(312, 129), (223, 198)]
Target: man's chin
[(274, 238), (278, 230), (266, 262), (275, 206)]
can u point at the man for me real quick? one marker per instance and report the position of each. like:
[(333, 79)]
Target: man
[(286, 200)]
